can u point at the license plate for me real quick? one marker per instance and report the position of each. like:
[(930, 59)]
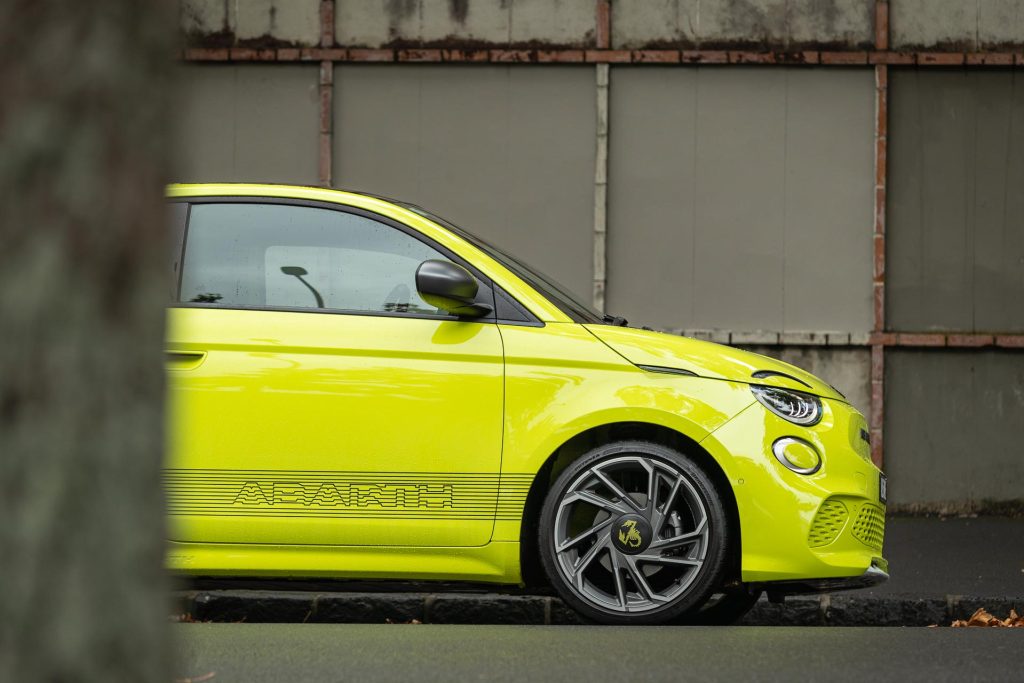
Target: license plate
[(881, 487)]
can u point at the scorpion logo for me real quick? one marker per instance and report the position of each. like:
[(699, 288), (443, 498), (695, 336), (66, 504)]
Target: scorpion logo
[(628, 535)]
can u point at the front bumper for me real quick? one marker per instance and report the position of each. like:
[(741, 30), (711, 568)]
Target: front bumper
[(872, 576), (811, 532)]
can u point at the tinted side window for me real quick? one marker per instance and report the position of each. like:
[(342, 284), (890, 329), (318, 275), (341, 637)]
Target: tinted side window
[(272, 255)]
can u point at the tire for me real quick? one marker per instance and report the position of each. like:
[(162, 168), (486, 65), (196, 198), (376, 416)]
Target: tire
[(617, 554)]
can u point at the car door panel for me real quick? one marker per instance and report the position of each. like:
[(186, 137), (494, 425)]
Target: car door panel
[(314, 397), (313, 428)]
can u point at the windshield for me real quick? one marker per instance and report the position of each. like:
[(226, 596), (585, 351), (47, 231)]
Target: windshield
[(557, 294)]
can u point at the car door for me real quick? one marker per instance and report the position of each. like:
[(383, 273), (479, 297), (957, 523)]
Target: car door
[(314, 398)]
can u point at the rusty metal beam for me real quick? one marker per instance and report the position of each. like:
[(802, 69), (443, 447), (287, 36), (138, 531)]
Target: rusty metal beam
[(601, 189), (950, 340), (882, 25), (325, 172), (604, 24), (876, 419), (326, 23), (325, 165), (606, 56)]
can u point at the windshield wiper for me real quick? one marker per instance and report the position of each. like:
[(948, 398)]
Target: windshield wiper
[(615, 320)]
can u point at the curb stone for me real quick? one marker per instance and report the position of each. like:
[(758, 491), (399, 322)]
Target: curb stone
[(847, 610), (251, 606), (367, 608), (279, 606), (488, 609), (799, 610)]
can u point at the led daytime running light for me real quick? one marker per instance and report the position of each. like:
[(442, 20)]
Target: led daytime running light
[(793, 406)]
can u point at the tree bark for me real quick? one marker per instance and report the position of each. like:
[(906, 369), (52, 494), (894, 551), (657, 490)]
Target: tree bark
[(83, 115)]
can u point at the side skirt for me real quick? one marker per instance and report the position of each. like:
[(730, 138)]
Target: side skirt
[(496, 562)]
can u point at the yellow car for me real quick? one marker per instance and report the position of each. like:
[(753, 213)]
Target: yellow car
[(360, 389)]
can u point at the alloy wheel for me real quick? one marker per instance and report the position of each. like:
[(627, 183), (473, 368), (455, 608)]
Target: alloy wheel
[(630, 534)]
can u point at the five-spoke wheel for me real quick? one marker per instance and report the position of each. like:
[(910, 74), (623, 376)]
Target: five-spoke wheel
[(633, 532)]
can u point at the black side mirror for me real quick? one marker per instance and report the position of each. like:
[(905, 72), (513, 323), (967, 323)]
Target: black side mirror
[(449, 287)]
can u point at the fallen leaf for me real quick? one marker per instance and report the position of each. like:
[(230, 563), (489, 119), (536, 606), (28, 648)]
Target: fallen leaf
[(982, 617)]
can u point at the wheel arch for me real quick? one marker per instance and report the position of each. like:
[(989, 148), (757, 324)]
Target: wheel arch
[(581, 443)]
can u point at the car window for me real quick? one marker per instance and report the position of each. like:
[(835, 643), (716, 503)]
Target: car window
[(275, 255), (557, 294)]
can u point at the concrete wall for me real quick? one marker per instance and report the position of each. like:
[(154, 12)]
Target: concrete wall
[(956, 24), (251, 22), (505, 152), (842, 24), (248, 123), (551, 23), (454, 23), (956, 205), (741, 198), (953, 427), (713, 23)]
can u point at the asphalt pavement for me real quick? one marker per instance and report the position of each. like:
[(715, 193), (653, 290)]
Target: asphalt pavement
[(253, 653), (932, 557)]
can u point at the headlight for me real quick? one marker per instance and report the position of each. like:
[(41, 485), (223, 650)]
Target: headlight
[(797, 407)]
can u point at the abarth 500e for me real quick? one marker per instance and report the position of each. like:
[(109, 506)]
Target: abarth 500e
[(360, 389)]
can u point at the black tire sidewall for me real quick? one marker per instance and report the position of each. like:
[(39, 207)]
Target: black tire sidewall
[(719, 536)]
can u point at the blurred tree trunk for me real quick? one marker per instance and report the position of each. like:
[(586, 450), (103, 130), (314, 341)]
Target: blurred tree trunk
[(83, 115)]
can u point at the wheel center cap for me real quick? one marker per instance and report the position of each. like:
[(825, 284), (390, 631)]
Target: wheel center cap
[(631, 534)]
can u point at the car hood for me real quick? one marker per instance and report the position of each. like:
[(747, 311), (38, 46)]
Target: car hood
[(707, 359)]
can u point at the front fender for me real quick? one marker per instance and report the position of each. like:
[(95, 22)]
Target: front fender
[(577, 384)]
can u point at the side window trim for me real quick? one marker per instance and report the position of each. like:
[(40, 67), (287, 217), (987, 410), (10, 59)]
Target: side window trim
[(486, 283), (178, 230)]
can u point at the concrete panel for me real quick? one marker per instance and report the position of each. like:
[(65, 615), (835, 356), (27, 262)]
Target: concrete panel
[(756, 23), (740, 209), (959, 24), (934, 23), (652, 178), (505, 152), (741, 199), (296, 21), (953, 427), (558, 22), (456, 23), (248, 123), (839, 23), (956, 224), (847, 369), (655, 23), (1000, 23), (828, 214), (366, 23), (201, 17), (253, 21)]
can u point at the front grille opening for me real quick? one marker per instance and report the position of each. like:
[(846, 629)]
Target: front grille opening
[(869, 526), (828, 523)]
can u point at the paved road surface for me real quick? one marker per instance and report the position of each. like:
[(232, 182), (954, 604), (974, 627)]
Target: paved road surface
[(407, 653), (931, 557)]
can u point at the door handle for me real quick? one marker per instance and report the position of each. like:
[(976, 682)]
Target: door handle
[(184, 360)]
